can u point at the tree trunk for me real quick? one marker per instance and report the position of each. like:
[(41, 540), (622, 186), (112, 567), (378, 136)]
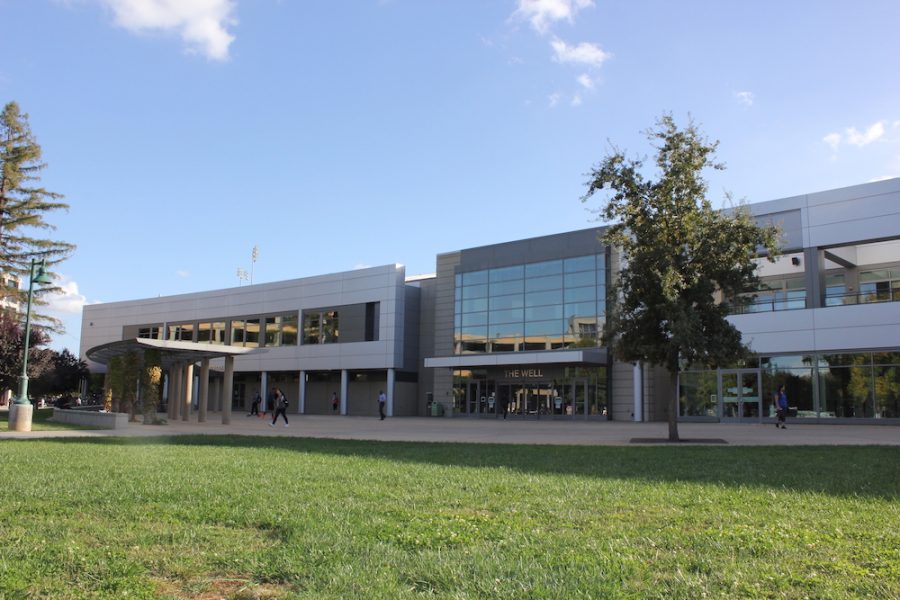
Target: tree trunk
[(673, 408)]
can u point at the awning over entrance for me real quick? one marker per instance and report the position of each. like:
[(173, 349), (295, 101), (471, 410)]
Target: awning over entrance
[(583, 356), (171, 352)]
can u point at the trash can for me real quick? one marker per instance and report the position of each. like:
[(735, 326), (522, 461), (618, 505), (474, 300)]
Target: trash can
[(437, 409)]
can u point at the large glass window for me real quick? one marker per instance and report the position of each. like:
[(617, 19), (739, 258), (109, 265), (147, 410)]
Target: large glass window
[(211, 332), (152, 332), (237, 333), (796, 374), (536, 306), (321, 327), (251, 333), (181, 332), (882, 285), (776, 295), (698, 393)]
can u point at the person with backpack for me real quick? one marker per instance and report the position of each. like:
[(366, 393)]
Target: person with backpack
[(281, 404), (781, 407)]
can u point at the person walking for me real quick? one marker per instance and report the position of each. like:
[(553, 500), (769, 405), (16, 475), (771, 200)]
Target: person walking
[(382, 400), (254, 407), (281, 404), (334, 402), (781, 407)]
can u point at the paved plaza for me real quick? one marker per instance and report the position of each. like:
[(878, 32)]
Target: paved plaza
[(499, 431)]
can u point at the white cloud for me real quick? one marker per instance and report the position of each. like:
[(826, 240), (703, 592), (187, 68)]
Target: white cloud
[(855, 137), (862, 139), (584, 53), (586, 81), (745, 98), (833, 140), (576, 100), (543, 13), (183, 274), (553, 99), (69, 300), (202, 24)]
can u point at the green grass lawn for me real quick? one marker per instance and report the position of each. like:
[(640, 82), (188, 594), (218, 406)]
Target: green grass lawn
[(241, 517)]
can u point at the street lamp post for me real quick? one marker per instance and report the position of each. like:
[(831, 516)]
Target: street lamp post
[(20, 420)]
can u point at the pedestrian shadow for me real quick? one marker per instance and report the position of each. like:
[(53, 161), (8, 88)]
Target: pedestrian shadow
[(872, 471)]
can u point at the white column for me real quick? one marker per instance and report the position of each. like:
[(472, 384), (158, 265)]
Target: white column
[(345, 385), (638, 377), (391, 376), (204, 390), (302, 402), (227, 390), (188, 391)]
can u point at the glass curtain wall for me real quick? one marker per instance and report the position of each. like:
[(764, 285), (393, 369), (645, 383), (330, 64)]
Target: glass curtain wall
[(858, 385), (536, 306)]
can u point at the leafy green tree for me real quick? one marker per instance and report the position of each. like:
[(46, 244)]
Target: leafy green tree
[(684, 263), (64, 375), (12, 336), (23, 205)]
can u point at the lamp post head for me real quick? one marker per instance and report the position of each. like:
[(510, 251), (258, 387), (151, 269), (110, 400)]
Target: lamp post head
[(42, 276)]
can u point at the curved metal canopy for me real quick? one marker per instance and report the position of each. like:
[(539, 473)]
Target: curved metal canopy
[(171, 352)]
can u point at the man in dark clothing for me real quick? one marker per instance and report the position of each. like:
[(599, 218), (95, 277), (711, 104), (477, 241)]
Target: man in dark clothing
[(281, 405)]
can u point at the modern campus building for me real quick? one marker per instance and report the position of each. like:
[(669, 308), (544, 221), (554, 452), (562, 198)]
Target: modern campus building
[(516, 326)]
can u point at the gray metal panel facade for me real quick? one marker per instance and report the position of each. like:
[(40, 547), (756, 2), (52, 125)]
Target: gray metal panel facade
[(103, 323)]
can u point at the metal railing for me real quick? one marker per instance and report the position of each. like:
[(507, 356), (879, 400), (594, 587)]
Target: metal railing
[(773, 305)]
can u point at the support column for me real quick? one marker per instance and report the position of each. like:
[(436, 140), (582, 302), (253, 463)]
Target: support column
[(188, 390), (264, 391), (167, 392), (227, 390), (638, 409), (814, 273), (302, 404), (344, 387), (177, 389), (391, 378), (204, 390)]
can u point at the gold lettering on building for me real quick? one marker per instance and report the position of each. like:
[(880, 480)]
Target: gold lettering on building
[(524, 373)]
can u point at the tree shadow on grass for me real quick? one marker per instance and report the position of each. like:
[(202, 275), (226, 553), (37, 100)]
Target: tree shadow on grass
[(868, 471)]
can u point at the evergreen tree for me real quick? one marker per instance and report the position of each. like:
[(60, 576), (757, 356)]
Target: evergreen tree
[(684, 263), (23, 205)]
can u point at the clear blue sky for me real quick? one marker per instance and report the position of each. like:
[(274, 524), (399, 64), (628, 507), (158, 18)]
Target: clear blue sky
[(334, 135)]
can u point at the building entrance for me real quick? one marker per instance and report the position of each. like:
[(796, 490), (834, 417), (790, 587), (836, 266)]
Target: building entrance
[(739, 397), (571, 398)]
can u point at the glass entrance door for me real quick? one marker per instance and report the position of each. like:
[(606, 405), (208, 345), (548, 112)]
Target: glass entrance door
[(473, 397), (739, 397)]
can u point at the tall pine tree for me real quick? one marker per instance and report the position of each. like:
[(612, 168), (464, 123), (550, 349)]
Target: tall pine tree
[(23, 205)]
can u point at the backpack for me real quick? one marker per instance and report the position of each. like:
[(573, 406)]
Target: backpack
[(283, 401)]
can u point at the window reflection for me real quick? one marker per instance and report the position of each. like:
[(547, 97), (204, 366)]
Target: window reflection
[(537, 306)]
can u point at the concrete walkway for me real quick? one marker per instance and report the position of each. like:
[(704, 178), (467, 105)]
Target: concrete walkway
[(498, 431)]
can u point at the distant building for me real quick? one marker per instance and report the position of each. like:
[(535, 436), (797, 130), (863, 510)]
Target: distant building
[(515, 326), (9, 292)]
